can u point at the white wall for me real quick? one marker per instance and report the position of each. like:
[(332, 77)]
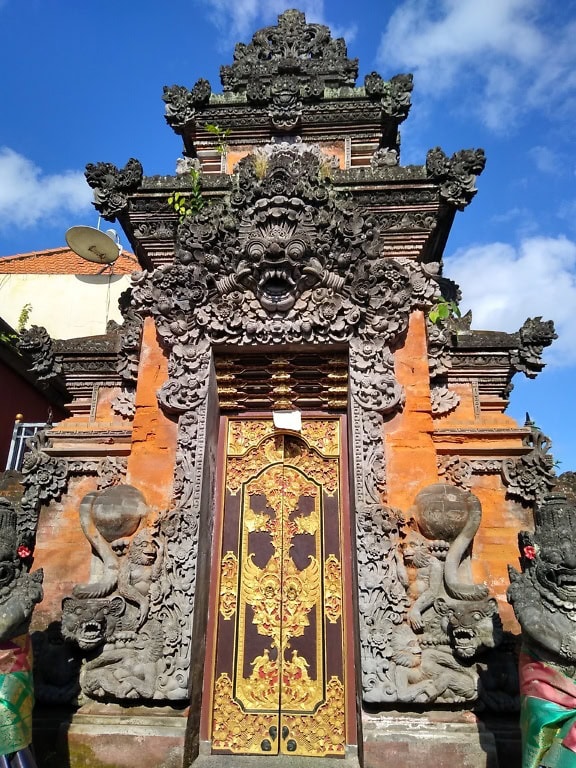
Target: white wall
[(66, 305)]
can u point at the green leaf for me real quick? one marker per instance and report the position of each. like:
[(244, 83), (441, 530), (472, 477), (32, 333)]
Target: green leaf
[(443, 311)]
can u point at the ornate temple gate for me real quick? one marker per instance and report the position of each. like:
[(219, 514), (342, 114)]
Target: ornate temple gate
[(279, 678)]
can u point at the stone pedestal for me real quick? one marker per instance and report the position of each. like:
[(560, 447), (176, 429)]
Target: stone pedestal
[(109, 736), (439, 739)]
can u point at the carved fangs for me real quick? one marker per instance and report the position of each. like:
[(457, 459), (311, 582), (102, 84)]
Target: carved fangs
[(277, 290)]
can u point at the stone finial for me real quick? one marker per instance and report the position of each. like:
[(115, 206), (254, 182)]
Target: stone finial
[(456, 176), (293, 47), (532, 476), (534, 336), (182, 105), (394, 94), (37, 344), (113, 186)]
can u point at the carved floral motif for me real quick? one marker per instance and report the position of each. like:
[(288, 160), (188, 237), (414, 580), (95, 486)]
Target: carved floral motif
[(532, 476)]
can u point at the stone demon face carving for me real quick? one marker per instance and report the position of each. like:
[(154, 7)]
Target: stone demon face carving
[(472, 626), (555, 564), (276, 246), (90, 623)]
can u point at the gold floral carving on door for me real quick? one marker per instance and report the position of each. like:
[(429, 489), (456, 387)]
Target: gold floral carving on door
[(279, 666)]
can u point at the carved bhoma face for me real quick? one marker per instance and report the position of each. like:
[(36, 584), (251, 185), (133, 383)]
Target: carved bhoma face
[(275, 237), (90, 622), (276, 270), (472, 626)]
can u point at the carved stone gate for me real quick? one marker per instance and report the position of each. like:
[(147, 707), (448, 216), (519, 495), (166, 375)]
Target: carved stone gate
[(300, 274)]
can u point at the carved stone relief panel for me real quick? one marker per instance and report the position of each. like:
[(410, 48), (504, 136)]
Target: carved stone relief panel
[(423, 620)]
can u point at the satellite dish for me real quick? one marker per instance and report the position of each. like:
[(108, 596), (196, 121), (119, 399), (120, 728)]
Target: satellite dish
[(94, 245)]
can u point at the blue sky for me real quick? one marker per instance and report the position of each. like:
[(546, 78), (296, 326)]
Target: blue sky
[(82, 82)]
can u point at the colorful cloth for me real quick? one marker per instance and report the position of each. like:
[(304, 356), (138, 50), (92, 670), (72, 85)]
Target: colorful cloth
[(548, 715), (16, 694)]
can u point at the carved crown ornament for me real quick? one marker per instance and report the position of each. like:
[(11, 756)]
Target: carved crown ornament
[(282, 69)]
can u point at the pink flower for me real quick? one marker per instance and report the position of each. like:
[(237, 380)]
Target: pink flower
[(529, 552), (23, 552)]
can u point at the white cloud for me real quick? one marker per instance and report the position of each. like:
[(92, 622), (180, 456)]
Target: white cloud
[(502, 50), (504, 285), (239, 19), (546, 160), (29, 197)]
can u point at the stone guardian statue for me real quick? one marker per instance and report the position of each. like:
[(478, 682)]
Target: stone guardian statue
[(19, 593), (543, 596)]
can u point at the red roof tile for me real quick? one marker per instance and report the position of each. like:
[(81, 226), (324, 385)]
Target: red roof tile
[(62, 261)]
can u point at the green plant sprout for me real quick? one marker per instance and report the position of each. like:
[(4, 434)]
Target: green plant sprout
[(221, 136), (23, 317), (186, 205), (443, 310)]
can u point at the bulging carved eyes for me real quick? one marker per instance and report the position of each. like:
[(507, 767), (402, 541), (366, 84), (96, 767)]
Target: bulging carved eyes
[(552, 555), (255, 250), (296, 249)]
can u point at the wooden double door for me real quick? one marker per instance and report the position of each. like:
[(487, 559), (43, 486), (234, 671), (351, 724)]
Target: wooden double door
[(279, 682)]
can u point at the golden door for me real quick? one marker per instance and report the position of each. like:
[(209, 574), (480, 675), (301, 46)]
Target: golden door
[(279, 672)]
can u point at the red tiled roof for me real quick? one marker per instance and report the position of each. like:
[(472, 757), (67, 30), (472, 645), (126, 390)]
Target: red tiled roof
[(62, 261)]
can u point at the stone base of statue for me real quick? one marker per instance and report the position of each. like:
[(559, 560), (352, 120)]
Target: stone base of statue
[(441, 738), (111, 735)]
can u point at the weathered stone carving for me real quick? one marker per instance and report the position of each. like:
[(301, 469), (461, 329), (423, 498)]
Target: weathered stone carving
[(439, 358), (37, 344), (534, 335), (455, 470), (285, 108), (182, 104), (129, 356), (108, 518), (111, 470), (394, 94), (282, 259), (113, 186), (543, 596), (382, 595), (45, 478), (115, 618), (423, 619), (384, 158), (19, 593), (532, 476), (444, 400), (372, 381), (305, 51), (456, 175)]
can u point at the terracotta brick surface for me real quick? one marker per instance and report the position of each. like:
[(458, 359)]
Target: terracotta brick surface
[(154, 435)]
